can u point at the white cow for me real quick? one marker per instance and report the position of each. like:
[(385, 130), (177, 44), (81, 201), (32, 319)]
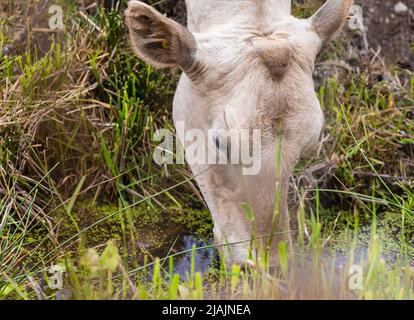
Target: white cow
[(247, 66)]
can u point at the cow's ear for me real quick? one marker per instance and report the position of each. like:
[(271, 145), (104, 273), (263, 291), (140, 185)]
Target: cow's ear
[(329, 19), (157, 39)]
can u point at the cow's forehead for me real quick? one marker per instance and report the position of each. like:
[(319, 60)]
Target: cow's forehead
[(233, 51), (232, 39), (244, 28), (205, 14)]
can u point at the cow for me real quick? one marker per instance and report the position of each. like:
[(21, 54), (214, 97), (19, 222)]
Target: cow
[(247, 67)]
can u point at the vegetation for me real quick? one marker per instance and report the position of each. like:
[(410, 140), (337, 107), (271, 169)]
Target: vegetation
[(79, 189)]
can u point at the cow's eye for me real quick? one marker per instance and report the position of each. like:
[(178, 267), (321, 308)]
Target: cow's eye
[(222, 144), (217, 140)]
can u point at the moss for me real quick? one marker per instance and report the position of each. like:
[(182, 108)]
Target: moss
[(139, 231), (196, 221), (342, 231), (37, 244)]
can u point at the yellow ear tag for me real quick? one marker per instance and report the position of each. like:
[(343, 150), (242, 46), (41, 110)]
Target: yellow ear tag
[(165, 44)]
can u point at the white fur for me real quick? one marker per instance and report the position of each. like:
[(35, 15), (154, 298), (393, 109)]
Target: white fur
[(232, 85)]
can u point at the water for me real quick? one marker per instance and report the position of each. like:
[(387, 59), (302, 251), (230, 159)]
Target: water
[(203, 258)]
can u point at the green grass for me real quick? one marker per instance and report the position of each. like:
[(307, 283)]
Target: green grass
[(79, 188)]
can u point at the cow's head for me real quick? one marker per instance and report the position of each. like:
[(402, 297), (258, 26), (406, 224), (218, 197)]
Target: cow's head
[(248, 72), (264, 67)]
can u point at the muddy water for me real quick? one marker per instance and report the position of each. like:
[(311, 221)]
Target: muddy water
[(204, 258), (342, 254), (164, 235), (149, 235)]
